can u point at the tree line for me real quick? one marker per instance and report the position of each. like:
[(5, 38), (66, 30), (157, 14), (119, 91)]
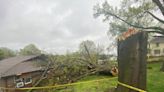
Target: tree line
[(30, 49)]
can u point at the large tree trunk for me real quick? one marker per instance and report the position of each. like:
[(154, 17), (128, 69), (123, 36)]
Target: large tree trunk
[(162, 68), (132, 62)]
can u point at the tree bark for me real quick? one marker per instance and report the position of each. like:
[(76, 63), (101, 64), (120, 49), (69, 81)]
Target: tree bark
[(160, 6), (160, 20), (132, 62), (158, 29)]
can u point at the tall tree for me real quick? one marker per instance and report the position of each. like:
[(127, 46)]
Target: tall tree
[(90, 45), (90, 52), (138, 14), (133, 13), (30, 49)]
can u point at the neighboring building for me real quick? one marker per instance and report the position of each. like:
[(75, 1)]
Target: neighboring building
[(156, 47), (20, 71)]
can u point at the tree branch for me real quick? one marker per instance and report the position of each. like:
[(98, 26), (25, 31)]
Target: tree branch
[(136, 26), (89, 55), (160, 20), (159, 4), (155, 32), (42, 76)]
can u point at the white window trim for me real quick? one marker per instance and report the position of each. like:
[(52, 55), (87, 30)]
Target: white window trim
[(27, 82), (19, 79), (19, 84)]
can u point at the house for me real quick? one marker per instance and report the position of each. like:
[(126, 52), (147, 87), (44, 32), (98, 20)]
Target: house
[(156, 47), (20, 71)]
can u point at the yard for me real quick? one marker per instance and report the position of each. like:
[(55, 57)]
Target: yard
[(155, 82), (155, 78)]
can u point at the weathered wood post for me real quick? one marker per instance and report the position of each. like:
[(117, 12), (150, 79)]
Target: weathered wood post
[(132, 54)]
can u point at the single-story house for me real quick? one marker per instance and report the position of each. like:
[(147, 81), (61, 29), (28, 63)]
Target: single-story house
[(20, 71)]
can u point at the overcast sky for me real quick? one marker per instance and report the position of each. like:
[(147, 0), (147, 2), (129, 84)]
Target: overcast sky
[(52, 25)]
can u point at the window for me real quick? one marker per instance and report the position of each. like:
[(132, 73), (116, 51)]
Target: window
[(156, 51), (28, 80), (19, 84), (17, 79), (157, 44)]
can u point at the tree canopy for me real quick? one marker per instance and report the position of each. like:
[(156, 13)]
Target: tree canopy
[(87, 46), (133, 13), (30, 49), (6, 52)]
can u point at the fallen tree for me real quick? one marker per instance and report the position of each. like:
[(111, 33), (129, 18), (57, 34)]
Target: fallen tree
[(63, 69)]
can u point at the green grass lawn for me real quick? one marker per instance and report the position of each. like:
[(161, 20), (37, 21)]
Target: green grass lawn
[(155, 82), (92, 85), (155, 78), (99, 86)]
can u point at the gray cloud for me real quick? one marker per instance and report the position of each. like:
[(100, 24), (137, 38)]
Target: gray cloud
[(53, 25)]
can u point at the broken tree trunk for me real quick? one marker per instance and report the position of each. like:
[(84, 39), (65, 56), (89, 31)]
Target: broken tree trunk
[(132, 53)]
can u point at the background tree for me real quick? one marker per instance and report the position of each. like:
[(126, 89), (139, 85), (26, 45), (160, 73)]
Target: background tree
[(90, 52), (6, 53), (87, 50), (90, 45), (30, 49)]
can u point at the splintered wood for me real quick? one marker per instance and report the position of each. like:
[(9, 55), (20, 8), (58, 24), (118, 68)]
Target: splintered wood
[(127, 34)]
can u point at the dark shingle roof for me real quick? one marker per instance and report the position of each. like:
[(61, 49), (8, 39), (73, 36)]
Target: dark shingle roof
[(16, 65), (157, 40)]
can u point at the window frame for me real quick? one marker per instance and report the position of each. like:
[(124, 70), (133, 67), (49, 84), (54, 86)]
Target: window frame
[(157, 51), (19, 84), (27, 82)]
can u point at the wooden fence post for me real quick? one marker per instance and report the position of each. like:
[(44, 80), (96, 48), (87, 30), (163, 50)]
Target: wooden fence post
[(132, 55)]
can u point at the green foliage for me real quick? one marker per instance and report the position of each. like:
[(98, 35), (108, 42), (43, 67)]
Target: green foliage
[(65, 68), (130, 13), (71, 67), (30, 49), (117, 27), (90, 52), (74, 66), (103, 57), (1, 54), (87, 45), (6, 53), (155, 82)]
